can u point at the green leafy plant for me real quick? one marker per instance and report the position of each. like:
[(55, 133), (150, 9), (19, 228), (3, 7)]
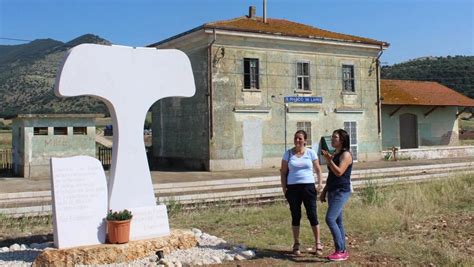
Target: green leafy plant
[(371, 194), (122, 215)]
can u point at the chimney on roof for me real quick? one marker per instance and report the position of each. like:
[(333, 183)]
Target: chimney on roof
[(264, 11), (252, 11)]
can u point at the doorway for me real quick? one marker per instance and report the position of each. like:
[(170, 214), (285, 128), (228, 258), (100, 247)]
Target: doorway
[(252, 144), (408, 131)]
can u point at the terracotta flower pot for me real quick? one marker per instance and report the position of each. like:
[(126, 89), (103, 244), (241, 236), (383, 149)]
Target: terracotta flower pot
[(118, 231)]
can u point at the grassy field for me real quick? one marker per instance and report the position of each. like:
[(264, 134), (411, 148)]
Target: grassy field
[(5, 139), (467, 124), (415, 224), (418, 224), (469, 142)]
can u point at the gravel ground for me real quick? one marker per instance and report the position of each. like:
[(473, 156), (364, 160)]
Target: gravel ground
[(210, 250)]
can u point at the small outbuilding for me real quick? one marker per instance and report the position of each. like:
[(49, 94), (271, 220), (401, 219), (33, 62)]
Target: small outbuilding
[(38, 137), (419, 114)]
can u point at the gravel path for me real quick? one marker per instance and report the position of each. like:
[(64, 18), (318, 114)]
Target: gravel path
[(210, 250)]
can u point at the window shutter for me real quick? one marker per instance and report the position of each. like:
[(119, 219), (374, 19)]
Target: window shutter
[(257, 74), (246, 73)]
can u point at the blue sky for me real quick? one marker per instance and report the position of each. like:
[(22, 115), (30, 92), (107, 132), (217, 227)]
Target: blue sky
[(414, 28)]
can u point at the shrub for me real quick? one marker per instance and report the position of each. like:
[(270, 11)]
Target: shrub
[(371, 195), (119, 215)]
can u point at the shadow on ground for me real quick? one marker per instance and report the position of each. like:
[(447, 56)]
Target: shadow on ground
[(271, 257)]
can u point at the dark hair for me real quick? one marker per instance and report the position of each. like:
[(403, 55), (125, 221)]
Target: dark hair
[(345, 139), (303, 133)]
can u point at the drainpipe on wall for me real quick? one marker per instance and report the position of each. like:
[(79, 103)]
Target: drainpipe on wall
[(379, 103), (209, 93)]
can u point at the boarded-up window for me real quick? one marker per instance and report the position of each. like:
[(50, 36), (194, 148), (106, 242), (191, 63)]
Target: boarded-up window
[(60, 130), (40, 131), (79, 130)]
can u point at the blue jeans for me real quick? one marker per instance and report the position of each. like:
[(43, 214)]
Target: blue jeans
[(336, 200)]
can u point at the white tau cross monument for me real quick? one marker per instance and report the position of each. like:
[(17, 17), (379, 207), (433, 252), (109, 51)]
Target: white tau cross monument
[(129, 80)]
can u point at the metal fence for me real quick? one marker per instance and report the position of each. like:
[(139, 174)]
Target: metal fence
[(6, 161), (104, 154)]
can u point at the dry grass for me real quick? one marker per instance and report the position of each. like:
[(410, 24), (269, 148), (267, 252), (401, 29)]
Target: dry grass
[(394, 227), (32, 225), (102, 122), (468, 142), (434, 220), (467, 124), (415, 224), (5, 139)]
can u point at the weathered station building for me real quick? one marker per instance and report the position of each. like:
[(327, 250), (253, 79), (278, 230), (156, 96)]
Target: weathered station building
[(258, 80), (38, 137), (422, 115)]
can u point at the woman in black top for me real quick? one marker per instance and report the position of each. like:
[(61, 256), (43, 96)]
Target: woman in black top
[(338, 190)]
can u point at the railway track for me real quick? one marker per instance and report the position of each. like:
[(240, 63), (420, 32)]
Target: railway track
[(255, 190)]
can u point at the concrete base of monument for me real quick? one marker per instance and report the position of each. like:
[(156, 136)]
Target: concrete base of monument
[(149, 222), (109, 254)]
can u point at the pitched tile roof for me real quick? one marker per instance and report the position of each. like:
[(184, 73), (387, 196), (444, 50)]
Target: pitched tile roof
[(282, 27), (278, 27), (401, 92)]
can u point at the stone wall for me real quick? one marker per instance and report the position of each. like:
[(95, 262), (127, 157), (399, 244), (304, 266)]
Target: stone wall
[(181, 125), (435, 152)]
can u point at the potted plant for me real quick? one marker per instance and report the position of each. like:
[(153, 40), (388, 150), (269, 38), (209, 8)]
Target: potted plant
[(118, 226)]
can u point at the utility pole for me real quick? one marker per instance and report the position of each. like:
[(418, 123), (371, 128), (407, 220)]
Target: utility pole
[(286, 110), (285, 107)]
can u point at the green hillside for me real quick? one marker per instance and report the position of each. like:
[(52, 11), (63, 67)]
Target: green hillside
[(454, 72), (27, 74)]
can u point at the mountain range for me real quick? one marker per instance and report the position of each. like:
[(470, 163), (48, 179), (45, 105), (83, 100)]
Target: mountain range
[(28, 71), (27, 75)]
